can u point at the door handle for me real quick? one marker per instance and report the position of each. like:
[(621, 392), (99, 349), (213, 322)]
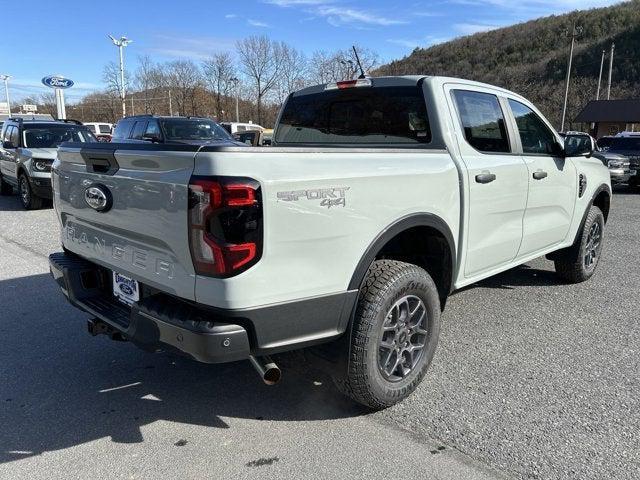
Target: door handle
[(539, 175), (485, 177)]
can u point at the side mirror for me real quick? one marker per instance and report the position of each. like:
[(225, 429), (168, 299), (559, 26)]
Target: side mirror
[(8, 144), (579, 145)]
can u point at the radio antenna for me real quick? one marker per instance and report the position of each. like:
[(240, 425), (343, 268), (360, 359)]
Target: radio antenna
[(362, 73)]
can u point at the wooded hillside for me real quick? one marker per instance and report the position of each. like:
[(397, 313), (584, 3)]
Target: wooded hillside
[(531, 58)]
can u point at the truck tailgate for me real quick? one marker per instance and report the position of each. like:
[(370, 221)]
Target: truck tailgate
[(143, 233)]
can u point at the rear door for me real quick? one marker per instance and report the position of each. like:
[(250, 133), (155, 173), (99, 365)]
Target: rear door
[(144, 232), (552, 182), (497, 179)]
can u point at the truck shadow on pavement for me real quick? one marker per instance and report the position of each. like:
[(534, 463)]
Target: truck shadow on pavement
[(61, 388)]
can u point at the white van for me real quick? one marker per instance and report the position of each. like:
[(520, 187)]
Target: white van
[(236, 127)]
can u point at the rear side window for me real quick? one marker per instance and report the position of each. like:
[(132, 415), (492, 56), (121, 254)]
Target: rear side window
[(138, 129), (535, 136), (371, 115), (483, 121), (122, 130), (104, 128), (14, 137), (92, 128), (153, 129)]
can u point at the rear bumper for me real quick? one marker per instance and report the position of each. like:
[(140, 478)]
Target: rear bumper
[(161, 321)]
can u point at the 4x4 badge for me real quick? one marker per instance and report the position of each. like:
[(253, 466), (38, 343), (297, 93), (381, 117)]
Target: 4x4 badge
[(98, 197)]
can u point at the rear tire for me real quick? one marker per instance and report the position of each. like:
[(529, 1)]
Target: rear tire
[(29, 200), (394, 334), (579, 262), (5, 187)]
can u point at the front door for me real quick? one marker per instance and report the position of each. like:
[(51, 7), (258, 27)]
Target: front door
[(552, 183), (497, 179), (8, 155)]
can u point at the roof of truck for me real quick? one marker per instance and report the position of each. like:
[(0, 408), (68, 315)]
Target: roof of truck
[(398, 80)]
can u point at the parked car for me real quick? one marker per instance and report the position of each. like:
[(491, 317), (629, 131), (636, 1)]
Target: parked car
[(101, 130), (28, 149), (160, 129), (237, 127), (624, 156), (604, 143), (347, 235)]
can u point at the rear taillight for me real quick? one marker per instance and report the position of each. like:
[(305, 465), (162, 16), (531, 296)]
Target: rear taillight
[(360, 82), (225, 224)]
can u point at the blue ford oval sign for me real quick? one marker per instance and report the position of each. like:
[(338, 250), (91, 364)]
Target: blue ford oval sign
[(56, 81)]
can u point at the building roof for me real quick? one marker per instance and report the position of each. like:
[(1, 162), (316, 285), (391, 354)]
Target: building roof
[(622, 111)]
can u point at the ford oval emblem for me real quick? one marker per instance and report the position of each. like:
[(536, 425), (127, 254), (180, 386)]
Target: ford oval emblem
[(98, 197), (126, 289), (57, 81)]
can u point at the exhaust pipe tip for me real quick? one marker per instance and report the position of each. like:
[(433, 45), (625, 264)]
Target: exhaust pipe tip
[(267, 369)]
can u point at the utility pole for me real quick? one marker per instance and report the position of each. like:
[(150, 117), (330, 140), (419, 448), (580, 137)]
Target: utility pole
[(170, 109), (575, 32), (121, 43), (6, 78), (600, 76), (133, 110), (613, 46), (236, 82)]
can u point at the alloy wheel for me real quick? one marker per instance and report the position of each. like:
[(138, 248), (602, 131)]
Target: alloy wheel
[(592, 249), (403, 339)]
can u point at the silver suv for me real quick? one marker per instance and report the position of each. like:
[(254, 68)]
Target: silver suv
[(27, 151)]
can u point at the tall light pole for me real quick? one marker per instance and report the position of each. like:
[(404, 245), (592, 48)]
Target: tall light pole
[(350, 67), (236, 82), (5, 79), (613, 46), (575, 32), (600, 76), (121, 43)]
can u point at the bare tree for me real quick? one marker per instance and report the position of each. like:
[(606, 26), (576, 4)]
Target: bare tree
[(111, 77), (292, 72), (149, 81), (184, 78), (48, 104), (328, 67), (261, 60), (219, 72)]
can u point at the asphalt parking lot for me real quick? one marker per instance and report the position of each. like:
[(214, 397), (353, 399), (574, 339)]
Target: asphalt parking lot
[(532, 379)]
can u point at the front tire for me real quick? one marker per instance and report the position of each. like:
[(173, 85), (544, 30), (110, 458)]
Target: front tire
[(579, 262), (29, 200), (394, 334)]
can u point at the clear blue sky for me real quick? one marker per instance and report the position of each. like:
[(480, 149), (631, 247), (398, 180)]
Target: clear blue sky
[(70, 37)]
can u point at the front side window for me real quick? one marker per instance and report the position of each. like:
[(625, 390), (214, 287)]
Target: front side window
[(361, 115), (51, 136), (535, 136), (193, 129), (483, 121)]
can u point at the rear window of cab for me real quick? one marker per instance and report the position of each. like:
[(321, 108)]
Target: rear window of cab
[(361, 115)]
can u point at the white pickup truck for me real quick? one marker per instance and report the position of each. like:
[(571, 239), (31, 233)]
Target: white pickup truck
[(379, 197)]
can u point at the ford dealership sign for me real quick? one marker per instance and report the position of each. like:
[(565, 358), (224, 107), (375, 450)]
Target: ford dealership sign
[(56, 81)]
